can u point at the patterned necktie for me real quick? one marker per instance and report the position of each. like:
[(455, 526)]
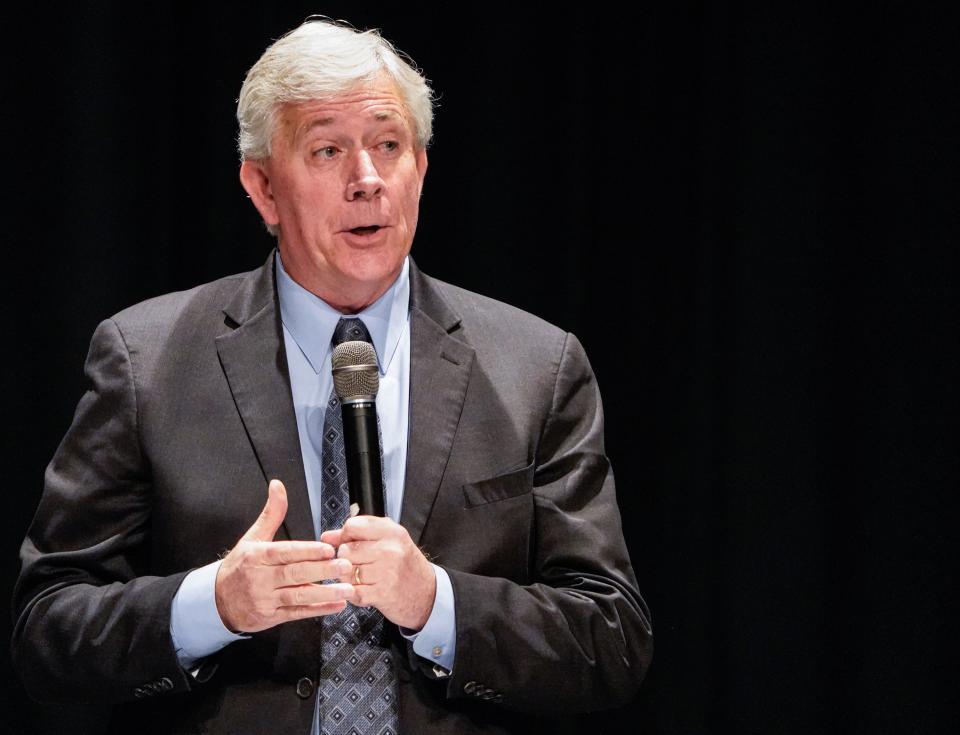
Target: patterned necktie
[(358, 681)]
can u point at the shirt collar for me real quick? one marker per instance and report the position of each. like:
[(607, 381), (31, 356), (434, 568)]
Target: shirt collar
[(311, 321)]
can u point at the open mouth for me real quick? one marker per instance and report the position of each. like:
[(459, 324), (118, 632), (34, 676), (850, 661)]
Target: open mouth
[(368, 230)]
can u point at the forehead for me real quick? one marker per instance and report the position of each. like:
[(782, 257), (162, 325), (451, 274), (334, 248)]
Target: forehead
[(373, 103)]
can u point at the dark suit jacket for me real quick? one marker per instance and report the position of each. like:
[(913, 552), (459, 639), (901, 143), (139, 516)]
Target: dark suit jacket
[(189, 414)]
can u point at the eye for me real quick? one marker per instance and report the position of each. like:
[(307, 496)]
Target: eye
[(390, 146), (327, 152)]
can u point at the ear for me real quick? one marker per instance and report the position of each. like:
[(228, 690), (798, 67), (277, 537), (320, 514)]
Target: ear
[(255, 179), (421, 157)]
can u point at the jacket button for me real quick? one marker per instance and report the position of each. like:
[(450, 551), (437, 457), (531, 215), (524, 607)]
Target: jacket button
[(488, 694), (165, 684), (498, 699), (305, 688), (470, 687), (139, 693)]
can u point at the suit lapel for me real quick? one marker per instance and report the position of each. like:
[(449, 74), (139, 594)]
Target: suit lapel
[(254, 362), (440, 367)]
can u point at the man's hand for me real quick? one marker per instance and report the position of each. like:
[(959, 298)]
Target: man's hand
[(262, 583), (394, 575)]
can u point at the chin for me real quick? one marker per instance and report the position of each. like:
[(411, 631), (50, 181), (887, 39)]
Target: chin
[(372, 268)]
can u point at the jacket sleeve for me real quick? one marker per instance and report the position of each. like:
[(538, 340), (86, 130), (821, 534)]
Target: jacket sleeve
[(578, 637), (89, 624)]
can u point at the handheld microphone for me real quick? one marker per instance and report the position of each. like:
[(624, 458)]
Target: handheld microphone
[(356, 381)]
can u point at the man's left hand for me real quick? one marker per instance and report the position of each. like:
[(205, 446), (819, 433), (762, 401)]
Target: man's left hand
[(393, 574)]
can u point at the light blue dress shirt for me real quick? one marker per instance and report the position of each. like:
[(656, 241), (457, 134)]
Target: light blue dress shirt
[(308, 324)]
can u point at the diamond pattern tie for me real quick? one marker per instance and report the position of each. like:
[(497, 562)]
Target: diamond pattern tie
[(358, 681)]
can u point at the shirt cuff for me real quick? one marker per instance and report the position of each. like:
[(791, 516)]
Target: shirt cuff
[(437, 640), (195, 625)]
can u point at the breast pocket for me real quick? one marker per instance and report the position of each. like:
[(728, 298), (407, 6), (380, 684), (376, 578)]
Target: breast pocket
[(502, 487), (493, 535)]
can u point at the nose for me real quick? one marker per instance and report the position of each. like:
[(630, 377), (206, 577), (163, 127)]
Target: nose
[(365, 181)]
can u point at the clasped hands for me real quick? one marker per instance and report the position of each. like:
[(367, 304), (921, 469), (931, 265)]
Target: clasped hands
[(262, 583)]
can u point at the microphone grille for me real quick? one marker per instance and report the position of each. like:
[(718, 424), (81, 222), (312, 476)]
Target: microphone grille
[(355, 370)]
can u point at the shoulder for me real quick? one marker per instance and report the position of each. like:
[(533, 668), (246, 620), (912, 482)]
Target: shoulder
[(166, 309), (518, 352), (486, 320), (180, 327)]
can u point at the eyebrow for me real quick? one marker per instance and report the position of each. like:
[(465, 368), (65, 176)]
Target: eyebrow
[(384, 115)]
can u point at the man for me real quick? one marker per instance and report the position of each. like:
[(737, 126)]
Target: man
[(496, 591)]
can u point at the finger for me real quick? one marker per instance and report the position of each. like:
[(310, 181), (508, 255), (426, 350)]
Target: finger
[(365, 596), (369, 574), (312, 571), (360, 552), (291, 552), (331, 537), (300, 612), (269, 520), (311, 594), (368, 528)]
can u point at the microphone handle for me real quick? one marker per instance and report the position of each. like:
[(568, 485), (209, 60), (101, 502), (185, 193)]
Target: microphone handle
[(362, 445)]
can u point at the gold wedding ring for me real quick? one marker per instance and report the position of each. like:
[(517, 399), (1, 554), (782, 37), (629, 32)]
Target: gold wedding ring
[(356, 575)]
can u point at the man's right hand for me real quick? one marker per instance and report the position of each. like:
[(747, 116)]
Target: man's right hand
[(262, 583)]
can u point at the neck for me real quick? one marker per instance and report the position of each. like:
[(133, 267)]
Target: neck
[(347, 297), (352, 304)]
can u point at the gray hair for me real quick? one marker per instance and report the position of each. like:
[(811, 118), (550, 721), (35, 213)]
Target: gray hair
[(319, 60)]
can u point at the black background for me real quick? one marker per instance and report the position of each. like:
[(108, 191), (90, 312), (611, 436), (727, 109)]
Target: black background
[(748, 213)]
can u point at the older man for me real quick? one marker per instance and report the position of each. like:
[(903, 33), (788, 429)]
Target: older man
[(497, 589)]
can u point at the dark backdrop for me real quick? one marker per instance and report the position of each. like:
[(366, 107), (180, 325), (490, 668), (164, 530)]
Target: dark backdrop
[(749, 214)]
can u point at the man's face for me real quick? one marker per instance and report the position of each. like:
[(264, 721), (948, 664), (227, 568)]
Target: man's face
[(343, 183)]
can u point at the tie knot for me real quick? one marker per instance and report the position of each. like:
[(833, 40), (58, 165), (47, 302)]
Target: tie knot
[(350, 330)]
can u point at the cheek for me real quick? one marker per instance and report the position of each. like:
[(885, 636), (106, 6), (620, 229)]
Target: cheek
[(306, 197), (411, 206)]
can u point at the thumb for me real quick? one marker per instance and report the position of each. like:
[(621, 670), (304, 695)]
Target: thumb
[(267, 523)]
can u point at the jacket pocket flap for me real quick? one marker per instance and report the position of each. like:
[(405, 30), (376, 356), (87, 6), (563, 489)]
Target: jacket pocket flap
[(501, 487)]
